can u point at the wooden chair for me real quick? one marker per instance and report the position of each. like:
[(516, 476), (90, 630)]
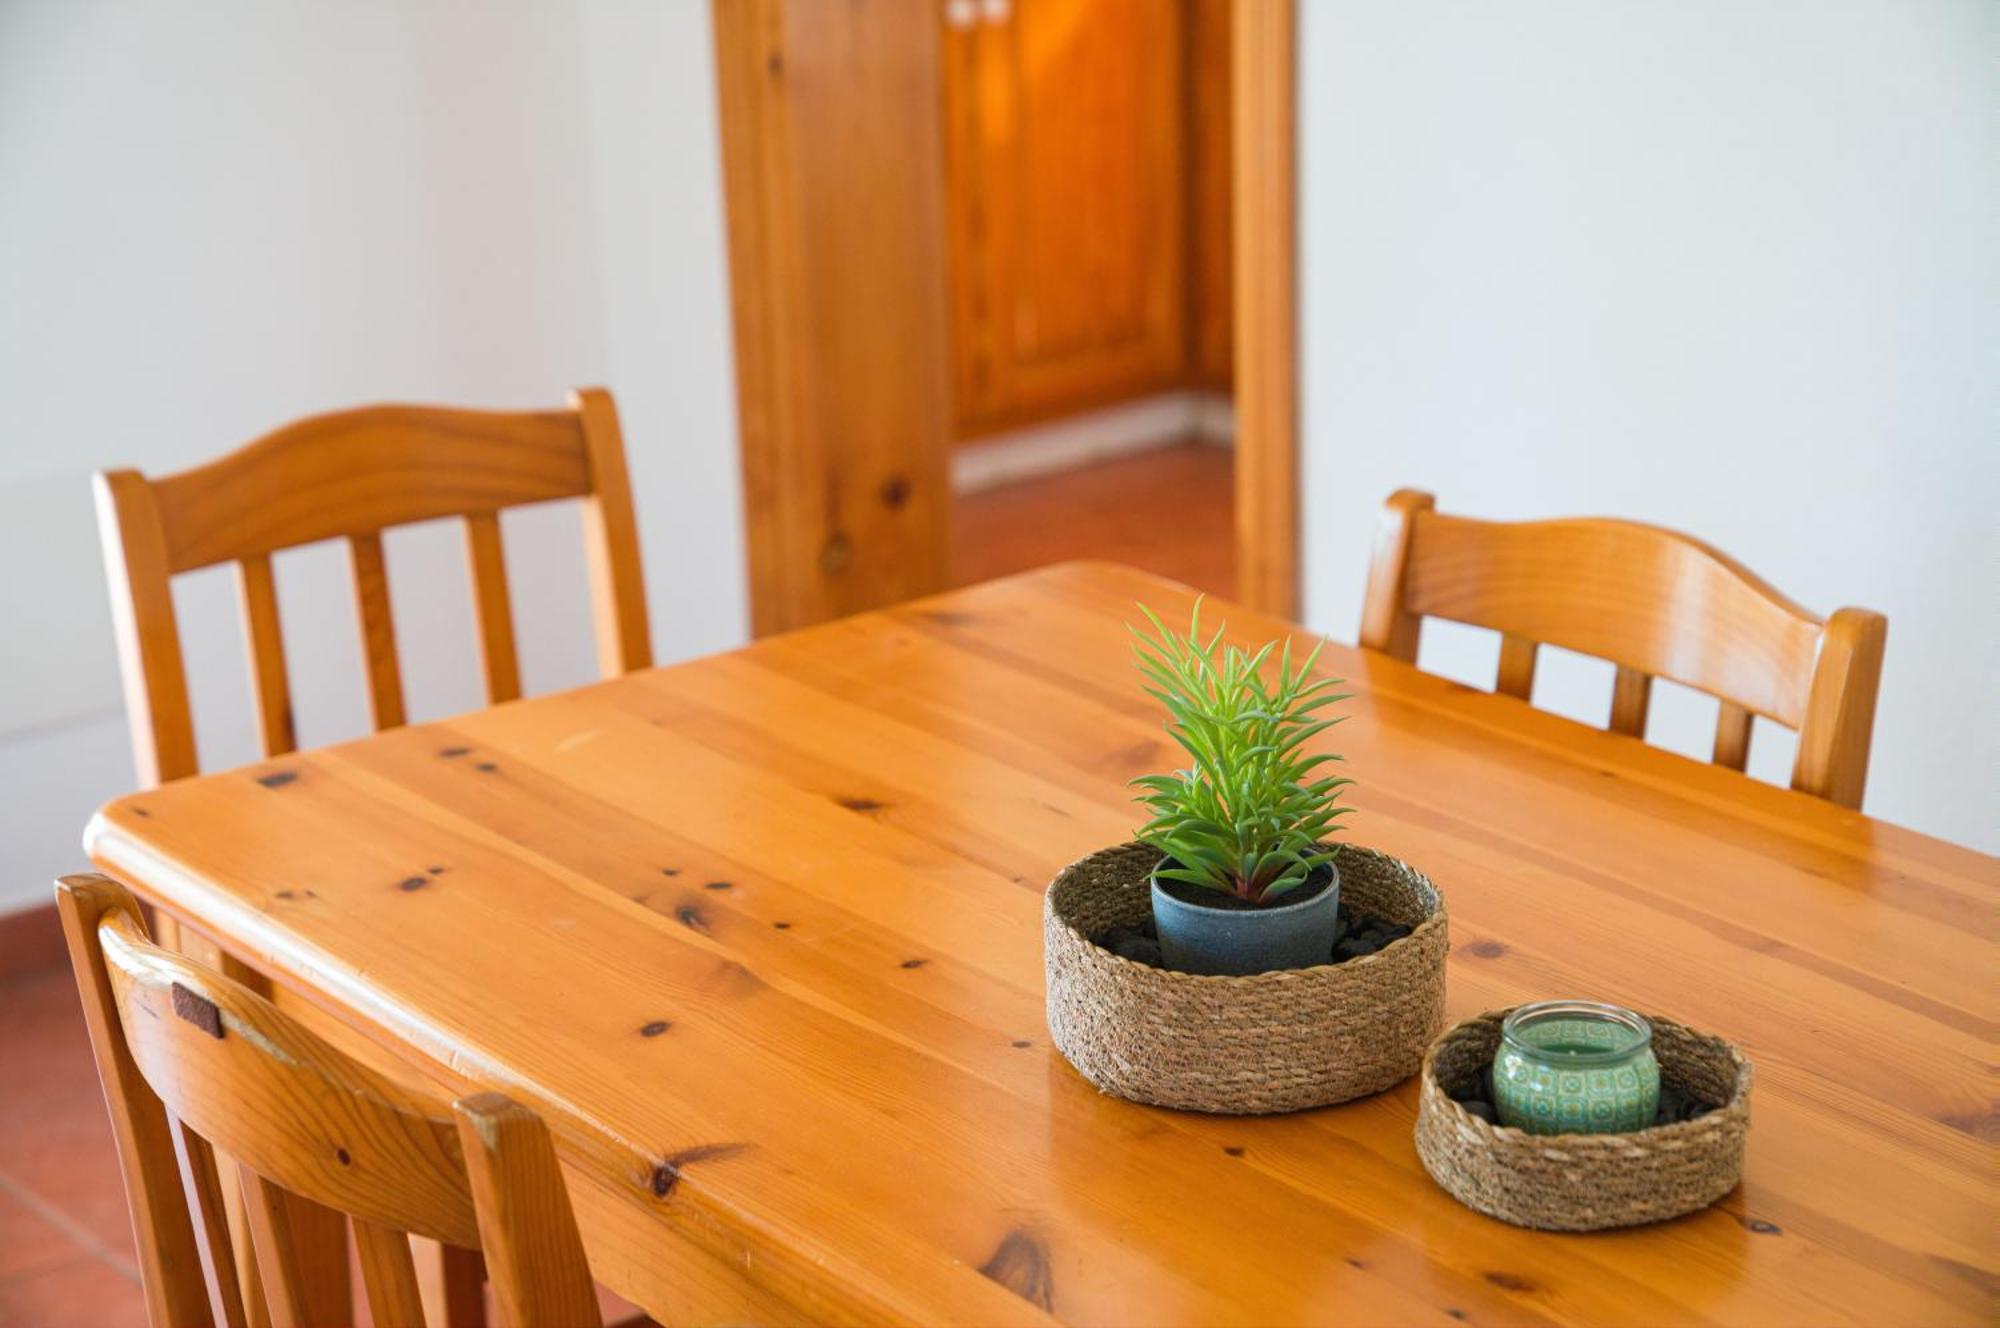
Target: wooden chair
[(1653, 602), (351, 475), (193, 1062)]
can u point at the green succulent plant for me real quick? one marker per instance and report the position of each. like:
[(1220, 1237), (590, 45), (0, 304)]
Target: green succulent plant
[(1249, 817)]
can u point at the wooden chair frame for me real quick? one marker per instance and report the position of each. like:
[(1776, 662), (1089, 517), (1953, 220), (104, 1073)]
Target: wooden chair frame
[(193, 1062), (1655, 603), (352, 475)]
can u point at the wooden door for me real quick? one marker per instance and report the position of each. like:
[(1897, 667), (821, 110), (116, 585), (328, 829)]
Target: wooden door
[(830, 142), (1065, 129), (1211, 162)]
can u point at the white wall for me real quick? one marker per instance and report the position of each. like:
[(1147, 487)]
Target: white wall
[(217, 217), (1726, 265)]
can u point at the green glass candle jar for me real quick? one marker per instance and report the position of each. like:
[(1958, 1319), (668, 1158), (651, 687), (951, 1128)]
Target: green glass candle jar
[(1575, 1067)]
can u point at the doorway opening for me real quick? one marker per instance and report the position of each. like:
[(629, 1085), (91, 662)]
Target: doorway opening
[(1087, 187), (1013, 285)]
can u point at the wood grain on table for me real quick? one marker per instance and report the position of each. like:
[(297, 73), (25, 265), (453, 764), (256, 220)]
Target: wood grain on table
[(760, 937)]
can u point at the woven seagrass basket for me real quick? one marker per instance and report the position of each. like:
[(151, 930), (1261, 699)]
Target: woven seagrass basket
[(1281, 1041), (1585, 1182)]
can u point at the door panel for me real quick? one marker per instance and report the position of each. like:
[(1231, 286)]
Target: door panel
[(1210, 162), (1065, 165)]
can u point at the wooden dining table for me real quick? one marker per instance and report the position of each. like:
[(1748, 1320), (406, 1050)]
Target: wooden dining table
[(760, 936)]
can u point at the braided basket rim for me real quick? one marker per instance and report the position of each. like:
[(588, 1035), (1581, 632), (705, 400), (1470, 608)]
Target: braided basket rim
[(1317, 972), (1711, 1141), (1282, 1040)]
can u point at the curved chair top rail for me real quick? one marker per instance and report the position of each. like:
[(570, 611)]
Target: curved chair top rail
[(353, 474), (298, 1112), (1654, 602), (367, 469), (1638, 595)]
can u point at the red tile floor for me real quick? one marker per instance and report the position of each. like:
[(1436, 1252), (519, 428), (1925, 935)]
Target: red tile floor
[(66, 1254), (65, 1239), (1169, 511)]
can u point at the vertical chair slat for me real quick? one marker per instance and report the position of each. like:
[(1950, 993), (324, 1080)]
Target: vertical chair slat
[(1732, 737), (249, 1281), (525, 1220), (319, 1252), (259, 593), (452, 1282), (378, 629), (490, 602), (270, 1221), (611, 540), (207, 1206), (1631, 698), (388, 1276), (1517, 667)]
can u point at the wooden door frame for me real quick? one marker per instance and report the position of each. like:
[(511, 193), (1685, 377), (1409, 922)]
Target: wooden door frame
[(1264, 106), (794, 575)]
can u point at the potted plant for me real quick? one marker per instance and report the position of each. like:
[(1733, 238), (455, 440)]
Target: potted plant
[(1218, 962), (1248, 882)]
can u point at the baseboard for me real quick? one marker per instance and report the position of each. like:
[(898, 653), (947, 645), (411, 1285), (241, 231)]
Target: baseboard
[(1215, 419), (30, 940), (1098, 435)]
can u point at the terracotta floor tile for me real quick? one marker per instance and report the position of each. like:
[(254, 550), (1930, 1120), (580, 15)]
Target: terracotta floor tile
[(79, 1292), (55, 1138), (27, 1242), (1169, 511)]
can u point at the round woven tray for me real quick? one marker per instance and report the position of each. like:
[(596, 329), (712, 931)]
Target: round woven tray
[(1281, 1041), (1585, 1182)]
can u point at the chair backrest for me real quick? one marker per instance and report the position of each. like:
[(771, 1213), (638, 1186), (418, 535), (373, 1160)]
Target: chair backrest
[(1653, 602), (193, 1062), (354, 474)]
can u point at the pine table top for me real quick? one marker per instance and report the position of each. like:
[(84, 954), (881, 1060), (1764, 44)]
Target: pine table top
[(760, 936)]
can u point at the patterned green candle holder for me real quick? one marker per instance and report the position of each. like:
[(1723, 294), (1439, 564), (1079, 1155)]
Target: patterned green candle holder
[(1585, 1182), (1575, 1067)]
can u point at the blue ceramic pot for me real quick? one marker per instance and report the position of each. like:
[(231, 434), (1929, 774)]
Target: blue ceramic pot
[(1197, 938)]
